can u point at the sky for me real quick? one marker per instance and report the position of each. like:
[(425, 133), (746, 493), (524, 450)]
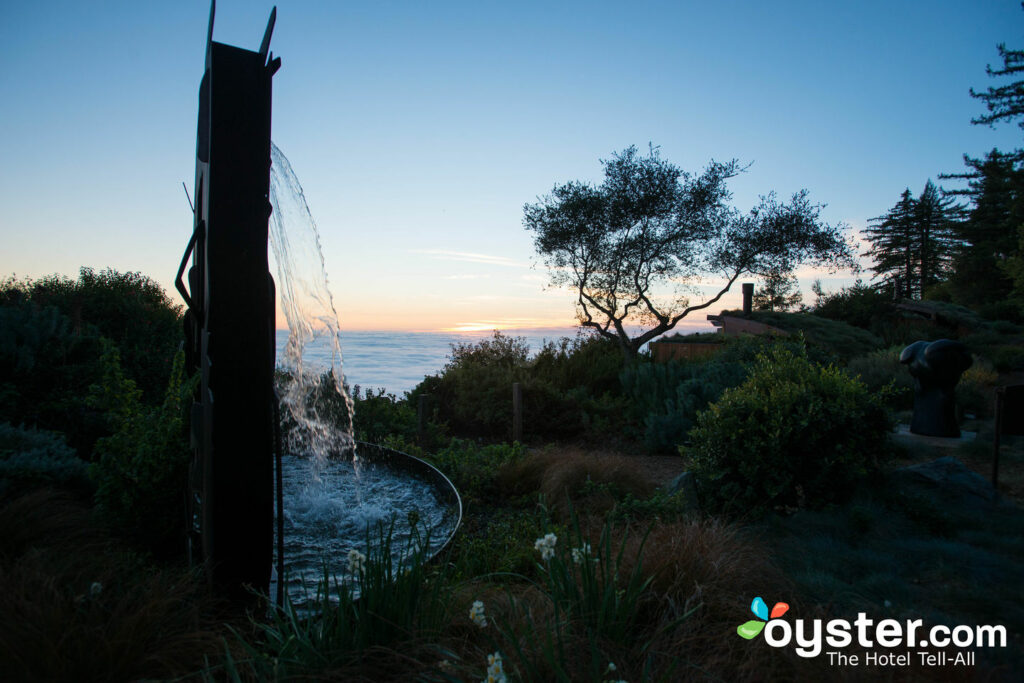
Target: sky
[(419, 130)]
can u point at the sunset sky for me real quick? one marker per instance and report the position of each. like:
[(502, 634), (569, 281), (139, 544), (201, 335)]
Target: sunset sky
[(420, 129)]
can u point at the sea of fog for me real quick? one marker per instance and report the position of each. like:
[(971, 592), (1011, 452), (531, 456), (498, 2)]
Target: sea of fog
[(398, 361)]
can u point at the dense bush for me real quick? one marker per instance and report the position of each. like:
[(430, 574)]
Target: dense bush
[(568, 388), (975, 392), (665, 397), (379, 415), (860, 305), (882, 368), (46, 368), (473, 468), (794, 434), (130, 309), (31, 458), (141, 470)]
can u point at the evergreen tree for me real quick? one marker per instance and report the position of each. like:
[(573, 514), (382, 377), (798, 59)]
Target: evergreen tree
[(936, 219), (989, 235), (891, 238), (913, 244)]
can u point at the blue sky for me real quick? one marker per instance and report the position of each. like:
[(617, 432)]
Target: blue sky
[(419, 129)]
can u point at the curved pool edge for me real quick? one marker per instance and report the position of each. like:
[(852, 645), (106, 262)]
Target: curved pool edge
[(399, 460)]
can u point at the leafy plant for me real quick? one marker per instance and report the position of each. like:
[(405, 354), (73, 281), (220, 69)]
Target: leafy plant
[(473, 468), (794, 434), (595, 602), (31, 457), (383, 601), (141, 470), (130, 309)]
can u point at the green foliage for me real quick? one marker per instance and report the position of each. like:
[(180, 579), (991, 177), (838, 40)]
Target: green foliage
[(45, 370), (141, 470), (379, 415), (31, 457), (666, 397), (860, 305), (498, 541), (975, 392), (881, 369), (473, 468), (826, 339), (128, 308), (599, 602), (569, 387), (387, 602), (794, 434)]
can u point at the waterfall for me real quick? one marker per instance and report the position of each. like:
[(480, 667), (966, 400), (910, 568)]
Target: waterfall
[(316, 405)]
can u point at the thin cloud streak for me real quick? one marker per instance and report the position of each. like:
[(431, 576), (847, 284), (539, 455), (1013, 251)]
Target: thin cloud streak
[(469, 257)]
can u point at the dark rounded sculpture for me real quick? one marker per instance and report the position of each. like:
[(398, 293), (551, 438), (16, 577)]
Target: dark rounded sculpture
[(936, 367)]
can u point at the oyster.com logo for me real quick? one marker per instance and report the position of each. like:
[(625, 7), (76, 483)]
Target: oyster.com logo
[(888, 642), (753, 628)]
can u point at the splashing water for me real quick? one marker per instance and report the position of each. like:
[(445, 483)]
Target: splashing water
[(315, 403)]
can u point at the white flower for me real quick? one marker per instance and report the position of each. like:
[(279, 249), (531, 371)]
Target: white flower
[(95, 589), (546, 546), (580, 554), (476, 614), (495, 674), (611, 666), (356, 561)]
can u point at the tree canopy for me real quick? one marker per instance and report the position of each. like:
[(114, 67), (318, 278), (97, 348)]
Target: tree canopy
[(914, 243), (633, 248)]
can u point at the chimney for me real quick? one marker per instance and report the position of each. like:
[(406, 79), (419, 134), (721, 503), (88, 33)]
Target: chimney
[(748, 297)]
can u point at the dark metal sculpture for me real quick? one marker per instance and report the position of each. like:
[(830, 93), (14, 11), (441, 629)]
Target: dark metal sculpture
[(230, 322), (936, 368)]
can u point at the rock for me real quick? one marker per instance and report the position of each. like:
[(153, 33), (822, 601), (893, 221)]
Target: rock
[(948, 478), (687, 483)]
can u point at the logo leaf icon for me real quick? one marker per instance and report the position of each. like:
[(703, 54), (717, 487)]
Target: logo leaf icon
[(779, 609), (759, 608), (751, 629)]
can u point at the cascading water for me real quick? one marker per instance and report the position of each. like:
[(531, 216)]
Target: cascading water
[(309, 309), (331, 496)]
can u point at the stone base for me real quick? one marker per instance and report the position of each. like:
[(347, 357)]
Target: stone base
[(905, 436)]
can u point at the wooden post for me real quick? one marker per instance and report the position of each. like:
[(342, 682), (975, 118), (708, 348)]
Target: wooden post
[(517, 411)]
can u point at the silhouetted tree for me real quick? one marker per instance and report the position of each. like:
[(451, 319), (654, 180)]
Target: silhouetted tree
[(986, 268), (913, 244), (778, 292), (650, 227)]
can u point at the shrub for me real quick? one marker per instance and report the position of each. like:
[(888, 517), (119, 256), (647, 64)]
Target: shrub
[(793, 434), (881, 369), (975, 392), (859, 305), (45, 369), (31, 458), (130, 309), (568, 387), (141, 471), (378, 415), (473, 468), (666, 397)]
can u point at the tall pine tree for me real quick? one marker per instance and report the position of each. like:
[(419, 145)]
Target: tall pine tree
[(913, 244), (988, 271), (891, 238)]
